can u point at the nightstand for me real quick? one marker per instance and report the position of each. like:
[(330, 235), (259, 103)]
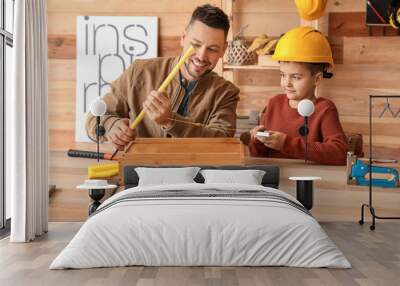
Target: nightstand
[(96, 190)]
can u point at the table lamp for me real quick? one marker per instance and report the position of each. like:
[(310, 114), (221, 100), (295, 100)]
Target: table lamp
[(305, 108), (98, 108)]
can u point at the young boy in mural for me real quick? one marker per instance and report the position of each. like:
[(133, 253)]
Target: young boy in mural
[(197, 103), (305, 56)]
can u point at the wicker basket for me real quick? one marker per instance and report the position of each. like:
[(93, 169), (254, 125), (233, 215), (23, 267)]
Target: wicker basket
[(238, 55)]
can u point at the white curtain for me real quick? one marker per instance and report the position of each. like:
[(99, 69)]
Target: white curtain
[(27, 123)]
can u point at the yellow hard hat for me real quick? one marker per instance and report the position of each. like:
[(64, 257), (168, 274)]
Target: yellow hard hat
[(311, 9), (304, 44)]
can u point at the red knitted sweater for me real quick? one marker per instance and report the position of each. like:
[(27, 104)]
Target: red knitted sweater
[(326, 140)]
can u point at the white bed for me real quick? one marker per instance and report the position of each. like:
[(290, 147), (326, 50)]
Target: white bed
[(201, 224)]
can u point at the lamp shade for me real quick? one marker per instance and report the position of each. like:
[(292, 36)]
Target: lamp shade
[(98, 107), (305, 108)]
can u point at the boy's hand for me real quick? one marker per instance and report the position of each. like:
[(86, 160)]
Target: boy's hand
[(120, 134), (275, 140), (158, 108), (253, 132)]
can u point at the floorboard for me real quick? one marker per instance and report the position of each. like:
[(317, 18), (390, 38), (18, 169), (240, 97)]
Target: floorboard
[(374, 255)]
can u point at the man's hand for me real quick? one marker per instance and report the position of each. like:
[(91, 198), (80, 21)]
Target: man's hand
[(158, 108), (275, 140), (120, 134)]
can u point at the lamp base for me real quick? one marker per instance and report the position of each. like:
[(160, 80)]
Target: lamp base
[(96, 195), (304, 193)]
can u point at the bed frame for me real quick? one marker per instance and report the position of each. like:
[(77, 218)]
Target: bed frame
[(270, 179)]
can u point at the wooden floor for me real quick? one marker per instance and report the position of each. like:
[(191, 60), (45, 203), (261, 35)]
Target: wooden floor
[(374, 255)]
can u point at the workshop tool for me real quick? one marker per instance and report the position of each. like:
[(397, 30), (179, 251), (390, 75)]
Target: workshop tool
[(394, 15), (358, 171), (376, 12), (98, 171), (103, 171), (89, 154)]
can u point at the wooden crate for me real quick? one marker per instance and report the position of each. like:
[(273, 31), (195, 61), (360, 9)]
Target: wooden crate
[(183, 152)]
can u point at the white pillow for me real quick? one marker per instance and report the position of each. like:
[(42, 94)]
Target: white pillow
[(249, 177), (164, 176)]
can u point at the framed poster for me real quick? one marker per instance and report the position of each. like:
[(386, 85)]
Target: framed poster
[(106, 46)]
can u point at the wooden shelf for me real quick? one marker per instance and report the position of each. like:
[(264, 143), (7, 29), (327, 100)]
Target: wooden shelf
[(250, 67)]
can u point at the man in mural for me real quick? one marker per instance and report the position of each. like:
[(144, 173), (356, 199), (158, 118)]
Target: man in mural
[(197, 103)]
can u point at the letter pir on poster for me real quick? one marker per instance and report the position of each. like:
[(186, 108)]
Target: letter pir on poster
[(106, 46)]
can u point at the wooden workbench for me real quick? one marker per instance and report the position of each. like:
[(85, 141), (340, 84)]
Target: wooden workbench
[(333, 198)]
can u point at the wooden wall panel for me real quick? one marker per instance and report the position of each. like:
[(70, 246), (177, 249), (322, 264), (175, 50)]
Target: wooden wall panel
[(347, 24), (61, 70), (355, 103), (356, 76), (350, 24), (173, 18), (64, 46), (365, 76), (254, 98), (264, 6), (268, 23), (279, 6), (124, 6), (257, 77), (345, 6), (369, 50), (363, 65), (169, 46), (170, 24), (360, 75)]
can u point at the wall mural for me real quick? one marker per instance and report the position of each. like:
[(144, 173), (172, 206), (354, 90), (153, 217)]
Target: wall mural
[(106, 46)]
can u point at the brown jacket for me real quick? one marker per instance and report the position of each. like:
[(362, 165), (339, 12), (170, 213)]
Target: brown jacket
[(211, 107)]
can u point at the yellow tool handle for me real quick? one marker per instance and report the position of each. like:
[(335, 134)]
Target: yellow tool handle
[(165, 83), (137, 120)]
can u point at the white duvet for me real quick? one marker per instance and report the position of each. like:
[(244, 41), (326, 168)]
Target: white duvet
[(183, 231)]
